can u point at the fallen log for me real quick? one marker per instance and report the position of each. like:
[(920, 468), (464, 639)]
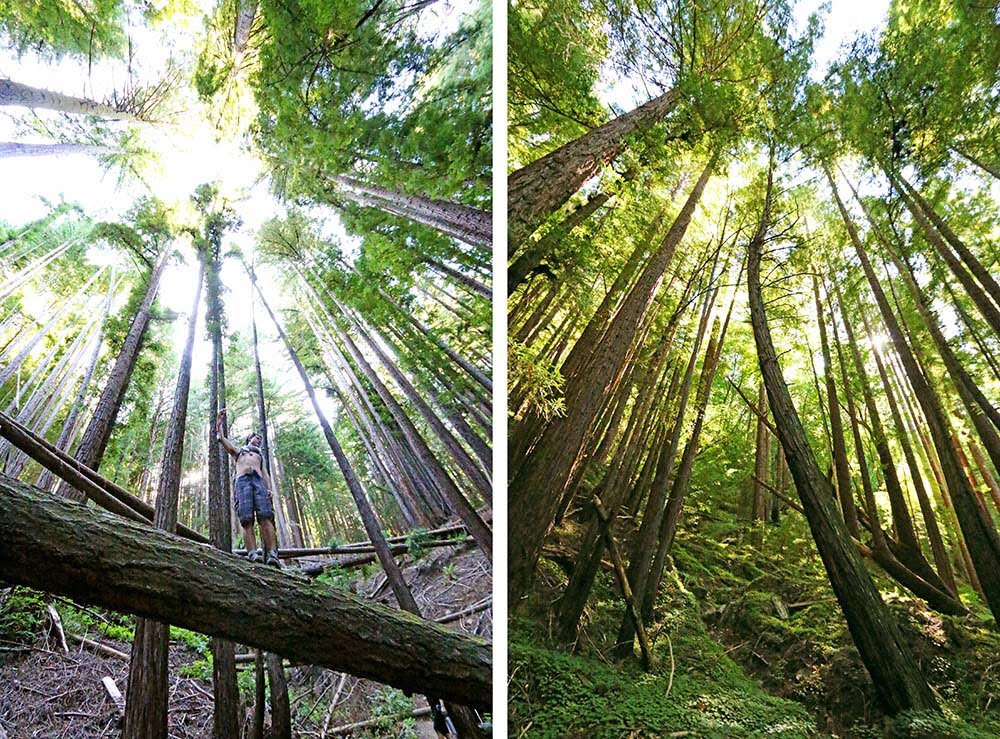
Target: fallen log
[(102, 491), (98, 647), (351, 728), (366, 549), (102, 559)]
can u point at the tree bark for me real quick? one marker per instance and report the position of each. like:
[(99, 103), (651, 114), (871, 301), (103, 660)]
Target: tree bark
[(537, 486), (225, 722), (148, 679), (98, 430), (531, 258), (538, 189), (462, 222), (97, 558), (892, 666), (15, 93)]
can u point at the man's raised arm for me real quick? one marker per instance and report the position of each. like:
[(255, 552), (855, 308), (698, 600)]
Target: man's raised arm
[(226, 443)]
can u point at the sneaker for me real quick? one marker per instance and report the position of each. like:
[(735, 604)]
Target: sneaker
[(272, 558), (257, 555)]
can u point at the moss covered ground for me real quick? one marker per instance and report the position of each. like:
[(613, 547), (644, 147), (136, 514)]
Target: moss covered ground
[(750, 643)]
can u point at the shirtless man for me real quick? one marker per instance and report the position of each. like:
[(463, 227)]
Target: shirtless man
[(251, 489)]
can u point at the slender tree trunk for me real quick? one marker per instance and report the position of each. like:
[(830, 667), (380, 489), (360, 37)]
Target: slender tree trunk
[(538, 189), (15, 93), (980, 534), (393, 574), (988, 309), (98, 430), (462, 222), (537, 486), (761, 469), (892, 666), (146, 696), (15, 149), (844, 493), (15, 364)]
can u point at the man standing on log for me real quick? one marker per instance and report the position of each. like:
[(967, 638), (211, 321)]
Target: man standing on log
[(252, 491)]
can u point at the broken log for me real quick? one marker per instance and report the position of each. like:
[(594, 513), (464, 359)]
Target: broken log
[(98, 647), (105, 560)]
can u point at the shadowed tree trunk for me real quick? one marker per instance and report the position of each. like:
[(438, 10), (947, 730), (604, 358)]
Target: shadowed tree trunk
[(98, 430), (892, 666), (146, 696), (537, 486)]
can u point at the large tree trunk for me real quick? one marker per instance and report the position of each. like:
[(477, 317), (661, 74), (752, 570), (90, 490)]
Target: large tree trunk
[(463, 222), (531, 258), (146, 697), (227, 697), (538, 189), (980, 534), (95, 557), (98, 430), (892, 666), (245, 12), (544, 472), (15, 93)]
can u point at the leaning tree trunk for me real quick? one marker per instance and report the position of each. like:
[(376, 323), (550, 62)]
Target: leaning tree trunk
[(531, 258), (98, 430), (225, 719), (15, 93), (541, 478), (96, 557), (844, 493), (888, 659), (465, 223), (393, 574), (981, 537), (146, 697), (538, 189)]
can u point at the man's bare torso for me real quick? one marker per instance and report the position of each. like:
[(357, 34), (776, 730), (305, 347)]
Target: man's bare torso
[(247, 462)]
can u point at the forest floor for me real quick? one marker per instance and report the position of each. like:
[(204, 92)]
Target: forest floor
[(47, 692), (748, 646)]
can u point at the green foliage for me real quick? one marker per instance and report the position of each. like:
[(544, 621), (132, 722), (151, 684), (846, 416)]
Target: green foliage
[(57, 27), (394, 707), (22, 613), (338, 578), (197, 642)]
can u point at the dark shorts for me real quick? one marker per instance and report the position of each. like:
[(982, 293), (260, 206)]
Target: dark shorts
[(251, 496)]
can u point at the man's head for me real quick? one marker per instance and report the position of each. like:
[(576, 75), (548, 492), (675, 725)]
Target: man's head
[(253, 439)]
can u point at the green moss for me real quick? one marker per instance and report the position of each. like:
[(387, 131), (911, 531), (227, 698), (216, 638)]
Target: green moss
[(928, 725), (697, 687)]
